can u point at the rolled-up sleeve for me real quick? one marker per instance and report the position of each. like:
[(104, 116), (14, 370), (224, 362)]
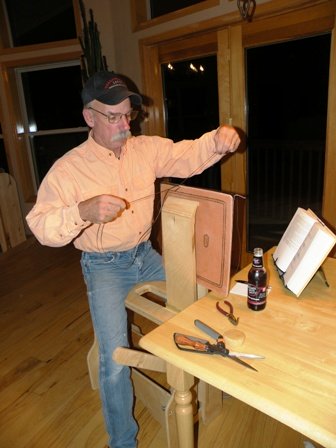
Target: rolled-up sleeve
[(55, 218), (186, 157)]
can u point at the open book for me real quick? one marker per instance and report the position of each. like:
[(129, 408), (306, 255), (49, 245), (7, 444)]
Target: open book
[(302, 249)]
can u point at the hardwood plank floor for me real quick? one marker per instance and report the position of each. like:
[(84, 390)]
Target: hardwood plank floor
[(45, 335)]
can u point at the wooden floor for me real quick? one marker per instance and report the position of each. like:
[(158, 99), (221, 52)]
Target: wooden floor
[(46, 398)]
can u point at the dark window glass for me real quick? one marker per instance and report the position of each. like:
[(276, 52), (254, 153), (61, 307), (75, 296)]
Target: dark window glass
[(161, 7), (40, 21), (3, 157), (191, 102), (55, 123), (53, 98), (287, 88), (48, 148)]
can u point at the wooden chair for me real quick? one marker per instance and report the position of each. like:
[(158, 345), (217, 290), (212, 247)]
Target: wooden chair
[(12, 230), (179, 290)]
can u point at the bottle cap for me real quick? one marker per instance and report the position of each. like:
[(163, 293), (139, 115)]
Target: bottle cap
[(258, 252)]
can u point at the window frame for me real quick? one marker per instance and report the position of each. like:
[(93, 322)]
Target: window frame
[(27, 134), (6, 40), (11, 116), (139, 13)]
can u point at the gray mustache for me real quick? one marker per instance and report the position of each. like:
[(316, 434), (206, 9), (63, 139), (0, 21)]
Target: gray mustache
[(121, 136)]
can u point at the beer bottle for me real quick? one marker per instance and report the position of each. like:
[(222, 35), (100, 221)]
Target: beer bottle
[(257, 282)]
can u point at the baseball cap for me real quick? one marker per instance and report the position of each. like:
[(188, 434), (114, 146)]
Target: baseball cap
[(108, 88)]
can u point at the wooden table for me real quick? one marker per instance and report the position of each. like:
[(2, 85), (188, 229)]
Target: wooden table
[(295, 383)]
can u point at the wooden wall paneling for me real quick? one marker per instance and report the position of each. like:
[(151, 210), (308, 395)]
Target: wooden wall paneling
[(191, 47), (239, 166), (153, 94), (231, 76), (139, 13), (223, 74), (329, 196), (233, 168), (279, 7), (4, 35), (25, 55), (274, 7), (238, 98), (78, 17), (289, 25), (202, 50)]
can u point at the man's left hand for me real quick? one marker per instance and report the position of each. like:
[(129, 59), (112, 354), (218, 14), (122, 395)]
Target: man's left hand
[(227, 140)]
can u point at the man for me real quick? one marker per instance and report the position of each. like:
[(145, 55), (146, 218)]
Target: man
[(100, 196)]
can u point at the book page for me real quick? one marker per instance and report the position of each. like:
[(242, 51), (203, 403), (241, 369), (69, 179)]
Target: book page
[(296, 232), (313, 251)]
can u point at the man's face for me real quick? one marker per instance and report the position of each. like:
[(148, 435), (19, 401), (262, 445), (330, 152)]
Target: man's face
[(110, 135)]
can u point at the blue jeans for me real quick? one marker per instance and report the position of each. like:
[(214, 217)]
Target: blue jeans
[(109, 276)]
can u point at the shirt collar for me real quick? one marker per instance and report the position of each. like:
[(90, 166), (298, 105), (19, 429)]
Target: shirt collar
[(103, 153)]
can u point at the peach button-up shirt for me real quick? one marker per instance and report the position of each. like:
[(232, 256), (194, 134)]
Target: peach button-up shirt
[(90, 170)]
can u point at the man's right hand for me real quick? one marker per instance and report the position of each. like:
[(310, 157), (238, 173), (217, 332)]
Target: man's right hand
[(101, 209)]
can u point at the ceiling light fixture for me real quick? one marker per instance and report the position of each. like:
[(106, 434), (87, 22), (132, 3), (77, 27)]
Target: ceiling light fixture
[(246, 9)]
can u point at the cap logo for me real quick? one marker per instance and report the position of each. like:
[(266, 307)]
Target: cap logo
[(114, 82)]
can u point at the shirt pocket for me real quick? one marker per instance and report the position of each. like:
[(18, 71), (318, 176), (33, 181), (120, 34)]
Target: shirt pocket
[(143, 183)]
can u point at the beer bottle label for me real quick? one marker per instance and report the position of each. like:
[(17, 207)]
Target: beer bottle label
[(256, 295)]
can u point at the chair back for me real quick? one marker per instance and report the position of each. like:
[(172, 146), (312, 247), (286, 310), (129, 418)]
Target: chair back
[(12, 231)]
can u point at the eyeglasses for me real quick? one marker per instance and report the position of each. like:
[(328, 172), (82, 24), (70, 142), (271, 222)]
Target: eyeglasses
[(115, 117)]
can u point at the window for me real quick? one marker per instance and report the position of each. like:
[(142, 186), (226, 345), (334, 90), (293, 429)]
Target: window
[(52, 107), (38, 21), (3, 157), (191, 106), (191, 97), (161, 7), (287, 97)]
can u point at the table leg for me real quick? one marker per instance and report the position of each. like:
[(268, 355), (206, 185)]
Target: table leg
[(182, 382)]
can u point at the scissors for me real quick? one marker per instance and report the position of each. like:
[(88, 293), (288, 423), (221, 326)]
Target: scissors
[(193, 344)]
